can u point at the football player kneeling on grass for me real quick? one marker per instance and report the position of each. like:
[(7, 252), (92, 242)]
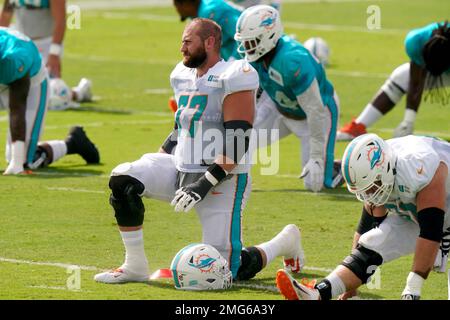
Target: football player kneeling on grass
[(26, 80), (216, 97), (405, 178)]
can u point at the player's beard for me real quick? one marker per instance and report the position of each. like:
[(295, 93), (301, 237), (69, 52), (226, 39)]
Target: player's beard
[(195, 59)]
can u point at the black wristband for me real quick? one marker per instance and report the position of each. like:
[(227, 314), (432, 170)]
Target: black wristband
[(431, 223), (215, 174)]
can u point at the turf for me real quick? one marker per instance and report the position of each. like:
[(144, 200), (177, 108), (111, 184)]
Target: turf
[(61, 214)]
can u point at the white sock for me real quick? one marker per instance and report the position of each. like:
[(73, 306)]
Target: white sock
[(59, 149), (337, 286), (274, 248), (135, 259), (369, 116), (410, 115), (414, 284)]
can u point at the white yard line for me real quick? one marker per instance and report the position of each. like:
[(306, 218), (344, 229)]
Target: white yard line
[(75, 190), (345, 73), (120, 4), (70, 174), (289, 24), (102, 124), (93, 268), (158, 91), (50, 264)]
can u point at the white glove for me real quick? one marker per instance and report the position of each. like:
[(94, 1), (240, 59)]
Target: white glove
[(314, 168), (404, 128), (185, 200), (17, 158)]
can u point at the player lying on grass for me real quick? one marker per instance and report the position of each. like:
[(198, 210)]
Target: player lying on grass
[(429, 69), (216, 103), (405, 186), (25, 82)]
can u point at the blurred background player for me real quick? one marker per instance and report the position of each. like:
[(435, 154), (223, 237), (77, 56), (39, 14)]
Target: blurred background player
[(45, 23), (407, 178), (216, 183), (319, 48), (297, 96), (24, 79), (429, 69)]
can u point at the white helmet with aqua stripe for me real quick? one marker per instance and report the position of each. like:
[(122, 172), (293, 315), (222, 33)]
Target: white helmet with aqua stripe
[(368, 166), (200, 266), (258, 31)]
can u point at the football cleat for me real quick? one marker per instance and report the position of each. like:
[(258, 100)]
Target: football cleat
[(295, 260), (291, 289), (78, 142), (83, 90), (120, 276), (350, 131)]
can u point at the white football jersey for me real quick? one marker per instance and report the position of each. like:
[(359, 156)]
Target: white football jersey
[(201, 134), (417, 161)]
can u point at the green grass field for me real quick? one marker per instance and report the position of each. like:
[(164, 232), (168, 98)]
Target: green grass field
[(61, 214)]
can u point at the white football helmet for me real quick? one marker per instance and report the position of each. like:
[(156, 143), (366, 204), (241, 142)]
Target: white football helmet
[(319, 48), (258, 31), (200, 267), (60, 95), (368, 166)]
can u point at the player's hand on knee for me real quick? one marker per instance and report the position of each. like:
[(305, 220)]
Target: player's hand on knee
[(314, 168), (187, 197), (13, 168)]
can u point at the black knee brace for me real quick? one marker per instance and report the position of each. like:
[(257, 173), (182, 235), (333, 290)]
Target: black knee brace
[(251, 263), (126, 200), (363, 262)]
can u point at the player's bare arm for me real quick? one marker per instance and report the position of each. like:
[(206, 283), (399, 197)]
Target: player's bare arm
[(416, 86), (18, 93), (58, 10), (6, 14)]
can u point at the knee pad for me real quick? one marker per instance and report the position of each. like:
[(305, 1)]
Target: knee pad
[(126, 200), (251, 263), (363, 262), (397, 84)]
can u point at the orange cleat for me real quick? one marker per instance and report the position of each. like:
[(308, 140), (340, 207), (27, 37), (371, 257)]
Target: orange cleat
[(291, 289), (173, 104), (350, 131)]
